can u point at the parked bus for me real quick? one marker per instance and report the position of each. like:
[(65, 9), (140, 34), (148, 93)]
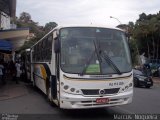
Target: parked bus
[(83, 67), (26, 64)]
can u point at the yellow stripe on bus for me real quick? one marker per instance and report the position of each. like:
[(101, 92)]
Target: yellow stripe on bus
[(43, 72)]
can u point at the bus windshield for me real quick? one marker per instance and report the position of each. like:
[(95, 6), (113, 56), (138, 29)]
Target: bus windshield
[(93, 50)]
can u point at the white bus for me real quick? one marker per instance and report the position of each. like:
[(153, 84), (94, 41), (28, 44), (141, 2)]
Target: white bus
[(26, 65), (83, 67)]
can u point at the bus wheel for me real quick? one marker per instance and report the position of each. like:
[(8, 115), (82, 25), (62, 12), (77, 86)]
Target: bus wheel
[(49, 96), (136, 83)]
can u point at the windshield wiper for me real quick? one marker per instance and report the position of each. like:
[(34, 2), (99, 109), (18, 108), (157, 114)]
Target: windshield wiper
[(88, 62), (109, 61), (100, 54)]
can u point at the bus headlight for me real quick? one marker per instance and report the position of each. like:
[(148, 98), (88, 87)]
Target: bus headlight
[(62, 83), (77, 91), (71, 90), (65, 87)]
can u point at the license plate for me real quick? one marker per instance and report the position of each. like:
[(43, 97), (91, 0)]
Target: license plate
[(148, 82), (102, 100)]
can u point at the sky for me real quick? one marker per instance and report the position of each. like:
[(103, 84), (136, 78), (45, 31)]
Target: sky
[(86, 11)]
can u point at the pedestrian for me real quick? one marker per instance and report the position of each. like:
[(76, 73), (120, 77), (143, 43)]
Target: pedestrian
[(23, 73), (146, 69), (1, 72), (18, 71), (4, 70), (12, 69)]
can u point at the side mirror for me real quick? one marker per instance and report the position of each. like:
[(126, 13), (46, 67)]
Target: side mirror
[(56, 45)]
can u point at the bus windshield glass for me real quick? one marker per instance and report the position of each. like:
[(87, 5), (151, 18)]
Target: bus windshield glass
[(93, 50)]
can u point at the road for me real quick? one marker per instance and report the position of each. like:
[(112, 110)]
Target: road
[(34, 102)]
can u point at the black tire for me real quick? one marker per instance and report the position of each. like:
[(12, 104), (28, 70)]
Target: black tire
[(49, 98), (48, 90), (136, 83)]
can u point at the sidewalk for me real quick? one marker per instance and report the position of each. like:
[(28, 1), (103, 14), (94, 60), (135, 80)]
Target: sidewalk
[(12, 90), (156, 81)]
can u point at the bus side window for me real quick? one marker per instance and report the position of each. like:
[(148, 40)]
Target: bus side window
[(35, 53), (40, 51), (49, 45)]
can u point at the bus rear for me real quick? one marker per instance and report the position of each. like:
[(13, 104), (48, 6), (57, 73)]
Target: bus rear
[(94, 68)]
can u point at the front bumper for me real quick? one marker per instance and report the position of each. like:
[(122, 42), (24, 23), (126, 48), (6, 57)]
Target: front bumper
[(69, 101), (146, 83)]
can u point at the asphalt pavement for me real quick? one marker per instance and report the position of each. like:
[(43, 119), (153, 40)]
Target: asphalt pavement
[(29, 102)]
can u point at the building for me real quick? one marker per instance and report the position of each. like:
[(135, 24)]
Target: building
[(11, 37)]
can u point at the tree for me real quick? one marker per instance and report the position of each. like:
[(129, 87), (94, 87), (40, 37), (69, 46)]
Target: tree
[(25, 17), (145, 35), (49, 26), (153, 29), (142, 17), (39, 31), (25, 21)]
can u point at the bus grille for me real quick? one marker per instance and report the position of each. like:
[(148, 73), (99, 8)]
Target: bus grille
[(96, 91)]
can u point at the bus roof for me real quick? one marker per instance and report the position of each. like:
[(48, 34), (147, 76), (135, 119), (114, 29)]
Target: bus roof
[(92, 25), (76, 25)]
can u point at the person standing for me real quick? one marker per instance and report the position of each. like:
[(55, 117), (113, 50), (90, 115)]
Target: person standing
[(12, 69), (1, 72), (18, 71)]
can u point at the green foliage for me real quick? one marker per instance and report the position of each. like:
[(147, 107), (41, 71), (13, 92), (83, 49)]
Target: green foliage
[(25, 17), (28, 44), (39, 31), (134, 51), (145, 35), (49, 26)]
